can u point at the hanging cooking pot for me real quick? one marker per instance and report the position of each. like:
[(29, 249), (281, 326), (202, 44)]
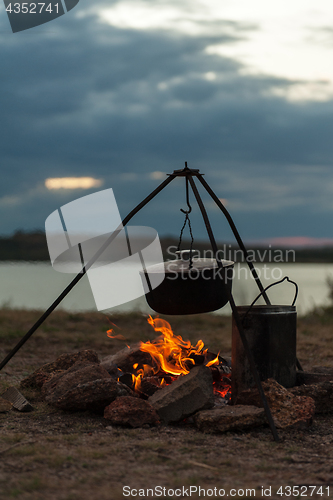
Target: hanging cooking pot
[(190, 286)]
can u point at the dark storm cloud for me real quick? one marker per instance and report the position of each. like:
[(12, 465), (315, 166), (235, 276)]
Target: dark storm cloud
[(83, 98)]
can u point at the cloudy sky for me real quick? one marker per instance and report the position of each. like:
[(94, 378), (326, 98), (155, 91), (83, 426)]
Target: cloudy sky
[(126, 91)]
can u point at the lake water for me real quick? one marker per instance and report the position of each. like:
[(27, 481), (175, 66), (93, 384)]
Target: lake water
[(35, 285)]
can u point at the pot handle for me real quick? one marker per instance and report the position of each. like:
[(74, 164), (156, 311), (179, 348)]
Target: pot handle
[(269, 286)]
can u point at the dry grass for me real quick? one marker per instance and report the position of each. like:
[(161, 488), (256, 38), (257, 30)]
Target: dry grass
[(48, 454)]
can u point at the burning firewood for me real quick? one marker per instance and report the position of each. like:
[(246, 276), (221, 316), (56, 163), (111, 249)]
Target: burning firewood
[(148, 366)]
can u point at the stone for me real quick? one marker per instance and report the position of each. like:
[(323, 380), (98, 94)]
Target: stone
[(185, 396), (84, 386), (5, 405), (131, 412), (230, 418), (78, 374), (38, 378), (94, 395), (295, 414), (126, 358), (273, 390), (288, 410), (321, 393)]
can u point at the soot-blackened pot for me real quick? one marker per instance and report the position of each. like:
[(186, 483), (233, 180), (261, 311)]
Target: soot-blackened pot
[(189, 290)]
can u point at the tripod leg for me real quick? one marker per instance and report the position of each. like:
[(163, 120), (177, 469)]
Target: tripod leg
[(83, 272), (41, 320), (241, 245), (237, 236)]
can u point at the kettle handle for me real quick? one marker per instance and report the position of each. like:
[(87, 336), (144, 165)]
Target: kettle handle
[(269, 286)]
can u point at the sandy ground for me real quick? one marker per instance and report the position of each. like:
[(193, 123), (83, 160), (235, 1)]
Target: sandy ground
[(49, 454)]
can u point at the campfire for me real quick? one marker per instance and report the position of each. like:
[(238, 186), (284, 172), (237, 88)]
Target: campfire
[(168, 380), (170, 357)]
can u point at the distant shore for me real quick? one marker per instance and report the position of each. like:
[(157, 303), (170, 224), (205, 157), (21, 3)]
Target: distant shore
[(32, 246)]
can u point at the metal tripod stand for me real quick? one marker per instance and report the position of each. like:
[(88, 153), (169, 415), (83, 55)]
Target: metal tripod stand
[(189, 175)]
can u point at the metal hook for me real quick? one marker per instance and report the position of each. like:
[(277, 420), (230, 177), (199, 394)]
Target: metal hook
[(187, 197)]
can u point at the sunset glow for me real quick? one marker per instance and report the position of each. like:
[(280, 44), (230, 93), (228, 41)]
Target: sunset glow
[(72, 183)]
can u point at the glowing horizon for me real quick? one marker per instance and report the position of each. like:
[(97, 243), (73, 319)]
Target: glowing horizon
[(72, 183)]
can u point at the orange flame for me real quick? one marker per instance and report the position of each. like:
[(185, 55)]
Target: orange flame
[(171, 356), (214, 361), (136, 379), (109, 333), (170, 353)]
